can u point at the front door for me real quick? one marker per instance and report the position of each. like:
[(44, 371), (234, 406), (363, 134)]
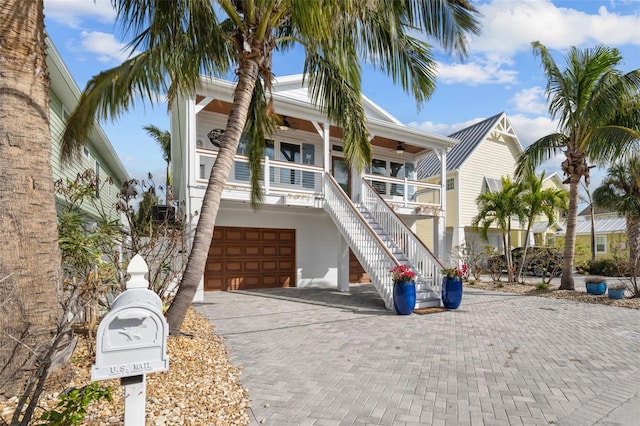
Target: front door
[(340, 171)]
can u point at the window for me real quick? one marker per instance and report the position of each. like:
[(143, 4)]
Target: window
[(379, 167), (290, 152), (86, 152), (450, 184), (65, 113), (601, 243)]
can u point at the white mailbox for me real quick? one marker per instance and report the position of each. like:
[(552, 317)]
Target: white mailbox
[(132, 337)]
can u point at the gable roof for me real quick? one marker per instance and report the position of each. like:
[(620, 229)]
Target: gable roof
[(469, 137), (292, 86)]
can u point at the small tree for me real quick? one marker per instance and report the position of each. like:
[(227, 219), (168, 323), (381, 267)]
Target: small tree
[(498, 209)]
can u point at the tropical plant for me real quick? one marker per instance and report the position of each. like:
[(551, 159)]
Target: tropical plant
[(455, 271), (620, 191), (163, 138), (402, 273), (497, 209), (29, 258), (180, 40), (538, 201), (590, 98)]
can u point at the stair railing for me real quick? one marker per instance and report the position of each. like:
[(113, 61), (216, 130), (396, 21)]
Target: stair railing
[(421, 258), (370, 250)]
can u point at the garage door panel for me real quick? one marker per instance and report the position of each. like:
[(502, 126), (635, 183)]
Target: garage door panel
[(252, 250), (232, 266), (233, 251), (285, 251), (250, 258), (269, 265), (252, 266), (269, 250), (286, 235), (233, 234), (270, 235)]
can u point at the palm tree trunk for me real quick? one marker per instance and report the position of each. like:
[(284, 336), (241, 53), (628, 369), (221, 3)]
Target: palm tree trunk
[(633, 238), (196, 263), (29, 256), (566, 280)]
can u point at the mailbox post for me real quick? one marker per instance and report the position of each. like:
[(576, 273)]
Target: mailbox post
[(132, 341)]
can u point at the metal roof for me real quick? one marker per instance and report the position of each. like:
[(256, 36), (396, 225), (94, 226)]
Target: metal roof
[(603, 226), (469, 137)]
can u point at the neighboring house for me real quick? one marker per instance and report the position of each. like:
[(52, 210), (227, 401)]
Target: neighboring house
[(610, 233), (97, 153), (487, 151), (315, 209)]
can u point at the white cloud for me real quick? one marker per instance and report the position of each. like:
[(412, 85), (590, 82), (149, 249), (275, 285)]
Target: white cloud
[(442, 128), (72, 12), (530, 129), (530, 100), (107, 48), (480, 71), (509, 26)]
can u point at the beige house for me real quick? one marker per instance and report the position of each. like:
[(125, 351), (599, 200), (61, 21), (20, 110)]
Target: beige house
[(487, 151)]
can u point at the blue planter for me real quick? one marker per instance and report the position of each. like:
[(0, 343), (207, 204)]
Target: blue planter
[(596, 288), (404, 297), (451, 292), (616, 293)]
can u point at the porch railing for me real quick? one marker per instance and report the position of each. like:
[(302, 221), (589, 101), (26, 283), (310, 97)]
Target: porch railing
[(370, 250), (420, 257), (277, 176), (405, 191)]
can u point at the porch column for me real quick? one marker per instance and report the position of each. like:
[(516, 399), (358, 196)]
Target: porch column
[(326, 146), (343, 265), (441, 225)]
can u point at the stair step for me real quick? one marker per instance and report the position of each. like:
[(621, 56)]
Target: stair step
[(428, 303)]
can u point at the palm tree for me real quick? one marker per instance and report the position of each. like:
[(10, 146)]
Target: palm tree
[(163, 138), (29, 259), (620, 191), (182, 39), (538, 201), (587, 98), (497, 209)]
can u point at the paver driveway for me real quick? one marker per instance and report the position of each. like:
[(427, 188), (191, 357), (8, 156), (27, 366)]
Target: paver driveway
[(320, 357)]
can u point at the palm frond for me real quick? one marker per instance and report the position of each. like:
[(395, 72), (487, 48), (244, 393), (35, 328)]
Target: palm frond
[(538, 152)]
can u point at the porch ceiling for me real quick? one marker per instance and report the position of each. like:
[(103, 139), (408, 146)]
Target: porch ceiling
[(222, 107)]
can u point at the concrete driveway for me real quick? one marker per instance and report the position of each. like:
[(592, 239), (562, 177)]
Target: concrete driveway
[(320, 357)]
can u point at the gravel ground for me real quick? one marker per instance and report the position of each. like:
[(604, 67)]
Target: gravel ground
[(579, 295), (202, 387)]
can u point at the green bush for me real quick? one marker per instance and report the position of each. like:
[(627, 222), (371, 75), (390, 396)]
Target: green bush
[(607, 267), (73, 405)]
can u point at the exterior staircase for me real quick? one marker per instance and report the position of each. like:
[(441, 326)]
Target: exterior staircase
[(381, 240)]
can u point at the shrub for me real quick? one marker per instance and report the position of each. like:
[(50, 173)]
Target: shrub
[(608, 267)]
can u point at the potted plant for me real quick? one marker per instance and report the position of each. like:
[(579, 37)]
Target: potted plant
[(595, 285), (404, 289), (452, 286), (616, 291)]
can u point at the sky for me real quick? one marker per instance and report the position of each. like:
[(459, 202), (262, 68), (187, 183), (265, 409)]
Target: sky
[(500, 73)]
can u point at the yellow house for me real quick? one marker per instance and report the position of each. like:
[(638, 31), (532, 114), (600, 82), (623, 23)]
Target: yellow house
[(487, 151), (610, 235)]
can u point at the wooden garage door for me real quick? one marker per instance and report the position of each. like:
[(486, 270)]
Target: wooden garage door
[(245, 258)]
